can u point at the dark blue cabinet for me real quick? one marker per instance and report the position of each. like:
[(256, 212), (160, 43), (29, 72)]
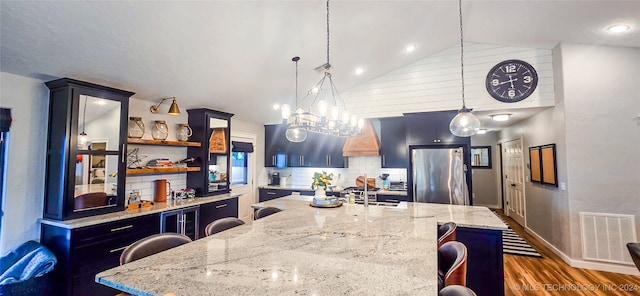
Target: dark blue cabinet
[(393, 143), (321, 151), (275, 146), (432, 128)]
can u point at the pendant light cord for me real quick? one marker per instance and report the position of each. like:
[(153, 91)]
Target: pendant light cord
[(328, 33), (461, 55)]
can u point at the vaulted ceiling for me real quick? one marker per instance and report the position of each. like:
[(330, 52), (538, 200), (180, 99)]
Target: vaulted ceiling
[(235, 56)]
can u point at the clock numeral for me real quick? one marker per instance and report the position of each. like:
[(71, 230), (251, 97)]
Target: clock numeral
[(527, 79), (512, 93), (510, 68), (495, 82)]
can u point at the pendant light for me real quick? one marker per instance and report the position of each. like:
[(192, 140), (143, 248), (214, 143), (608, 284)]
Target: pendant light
[(83, 139), (331, 117), (293, 133), (464, 124)]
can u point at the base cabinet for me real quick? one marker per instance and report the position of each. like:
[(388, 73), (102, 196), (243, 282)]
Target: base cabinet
[(391, 198), (265, 194), (84, 252), (485, 264), (216, 210)]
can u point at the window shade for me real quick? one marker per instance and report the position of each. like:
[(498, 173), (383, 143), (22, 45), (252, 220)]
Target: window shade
[(242, 147)]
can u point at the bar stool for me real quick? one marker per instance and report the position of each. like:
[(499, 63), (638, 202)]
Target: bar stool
[(151, 245), (222, 225), (447, 233), (452, 264), (266, 211), (456, 290), (634, 250)]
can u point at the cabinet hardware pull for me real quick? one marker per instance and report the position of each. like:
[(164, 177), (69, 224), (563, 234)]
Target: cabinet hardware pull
[(221, 206), (121, 228), (118, 249), (384, 163), (329, 160), (271, 193), (393, 200), (273, 160), (184, 223), (124, 152)]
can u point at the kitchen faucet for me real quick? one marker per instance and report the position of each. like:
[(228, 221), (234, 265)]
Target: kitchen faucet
[(366, 196)]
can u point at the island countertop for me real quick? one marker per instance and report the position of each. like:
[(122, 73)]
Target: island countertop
[(349, 250)]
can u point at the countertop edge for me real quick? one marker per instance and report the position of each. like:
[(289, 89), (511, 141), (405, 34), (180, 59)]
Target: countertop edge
[(158, 207)]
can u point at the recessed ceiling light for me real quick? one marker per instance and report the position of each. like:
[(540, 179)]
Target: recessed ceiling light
[(482, 131), (619, 28), (410, 48), (359, 70), (500, 117), (276, 106), (101, 102)]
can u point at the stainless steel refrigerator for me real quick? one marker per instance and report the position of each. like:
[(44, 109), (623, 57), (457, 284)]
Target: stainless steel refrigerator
[(438, 176)]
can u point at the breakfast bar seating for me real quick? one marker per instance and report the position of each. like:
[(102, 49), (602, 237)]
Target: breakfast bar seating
[(346, 250)]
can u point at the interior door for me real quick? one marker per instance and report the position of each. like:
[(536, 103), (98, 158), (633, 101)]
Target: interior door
[(243, 175), (513, 180)]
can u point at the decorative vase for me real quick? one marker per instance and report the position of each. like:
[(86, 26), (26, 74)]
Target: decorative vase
[(320, 194)]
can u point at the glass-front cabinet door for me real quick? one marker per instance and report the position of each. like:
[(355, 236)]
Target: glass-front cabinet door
[(86, 161), (212, 129)]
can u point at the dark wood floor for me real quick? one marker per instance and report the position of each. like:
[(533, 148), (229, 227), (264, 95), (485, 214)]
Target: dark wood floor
[(550, 275)]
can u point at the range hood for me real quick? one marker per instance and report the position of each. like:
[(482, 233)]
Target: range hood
[(366, 144)]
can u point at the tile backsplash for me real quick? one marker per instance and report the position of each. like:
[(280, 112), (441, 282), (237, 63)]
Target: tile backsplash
[(144, 184), (343, 177)]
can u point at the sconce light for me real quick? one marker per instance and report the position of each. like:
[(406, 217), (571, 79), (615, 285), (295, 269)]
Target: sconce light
[(500, 117), (173, 110)]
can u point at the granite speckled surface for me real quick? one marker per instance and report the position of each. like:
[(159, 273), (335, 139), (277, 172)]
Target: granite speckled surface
[(157, 207), (302, 250), (349, 250)]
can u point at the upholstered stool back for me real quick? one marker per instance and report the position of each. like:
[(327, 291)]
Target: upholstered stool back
[(266, 211), (452, 263), (151, 245), (222, 225)]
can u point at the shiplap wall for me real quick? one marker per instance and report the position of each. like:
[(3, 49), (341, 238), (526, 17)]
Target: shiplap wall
[(433, 83)]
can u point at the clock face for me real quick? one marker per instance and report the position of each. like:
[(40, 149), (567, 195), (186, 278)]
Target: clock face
[(511, 81)]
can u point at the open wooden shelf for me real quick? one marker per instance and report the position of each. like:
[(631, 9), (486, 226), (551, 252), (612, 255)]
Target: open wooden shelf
[(145, 171), (163, 142)]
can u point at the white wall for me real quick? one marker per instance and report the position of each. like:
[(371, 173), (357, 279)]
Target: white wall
[(602, 97), (28, 99), (433, 83), (486, 182), (596, 128)]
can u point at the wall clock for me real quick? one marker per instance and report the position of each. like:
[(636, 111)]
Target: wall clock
[(511, 81)]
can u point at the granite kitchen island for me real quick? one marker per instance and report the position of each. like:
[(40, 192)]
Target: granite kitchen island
[(349, 250)]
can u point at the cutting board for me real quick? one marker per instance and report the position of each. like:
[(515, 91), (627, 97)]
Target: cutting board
[(371, 182)]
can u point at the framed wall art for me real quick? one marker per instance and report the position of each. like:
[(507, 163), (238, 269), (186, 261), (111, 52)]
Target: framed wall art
[(548, 163), (543, 164), (534, 164)]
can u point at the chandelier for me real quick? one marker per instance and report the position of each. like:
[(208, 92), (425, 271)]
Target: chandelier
[(331, 117), (465, 124)]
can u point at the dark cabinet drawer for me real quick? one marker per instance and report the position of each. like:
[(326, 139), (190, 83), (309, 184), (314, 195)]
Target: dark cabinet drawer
[(216, 210), (391, 198), (86, 251), (107, 231), (269, 194)]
